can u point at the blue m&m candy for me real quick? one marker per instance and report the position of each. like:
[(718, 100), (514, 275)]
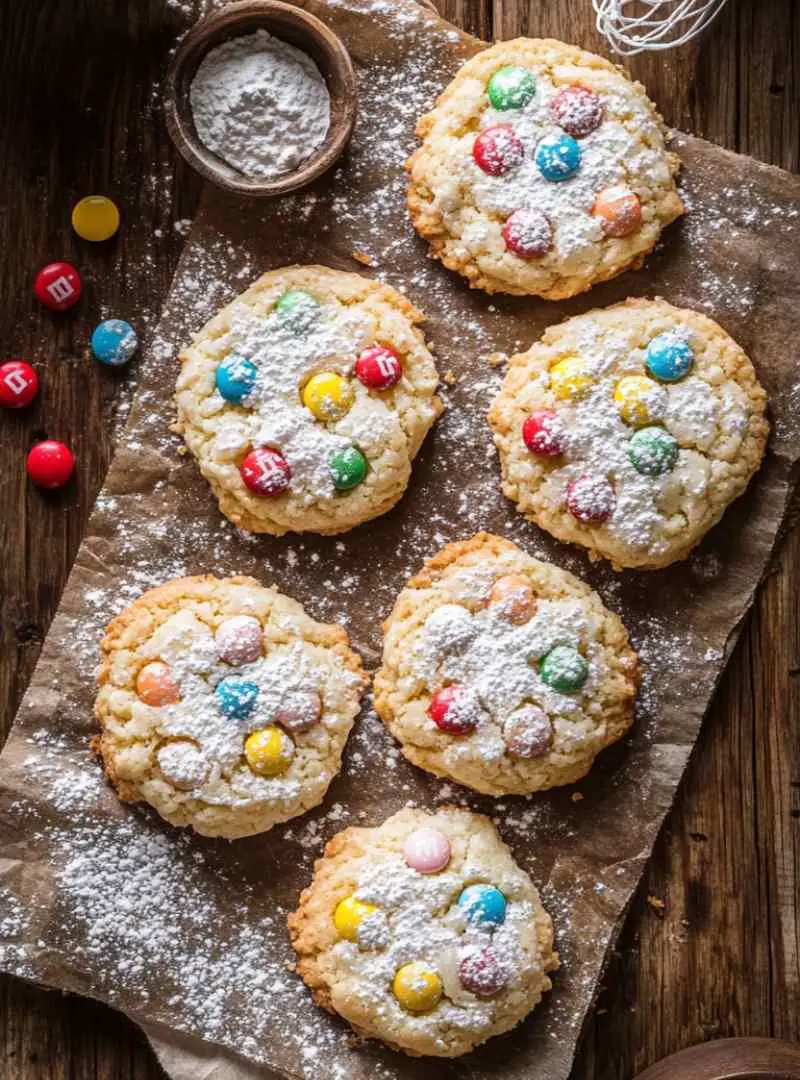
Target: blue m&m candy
[(669, 357), (483, 904), (558, 157), (236, 377), (114, 342), (236, 698)]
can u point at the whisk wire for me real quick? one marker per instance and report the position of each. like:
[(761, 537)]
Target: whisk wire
[(633, 26)]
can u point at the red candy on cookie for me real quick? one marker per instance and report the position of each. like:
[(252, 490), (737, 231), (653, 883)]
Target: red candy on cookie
[(542, 433), (497, 150), (452, 710), (577, 110), (379, 367), (528, 234), (266, 472), (591, 499)]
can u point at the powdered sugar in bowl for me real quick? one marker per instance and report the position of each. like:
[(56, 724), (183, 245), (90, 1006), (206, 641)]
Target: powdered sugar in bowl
[(261, 98)]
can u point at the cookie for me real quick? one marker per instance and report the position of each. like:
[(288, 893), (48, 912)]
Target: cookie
[(629, 430), (502, 672), (543, 170), (223, 705), (306, 399), (424, 932)]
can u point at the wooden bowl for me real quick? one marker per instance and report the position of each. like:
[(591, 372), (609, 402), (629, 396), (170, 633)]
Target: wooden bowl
[(731, 1059), (289, 24)]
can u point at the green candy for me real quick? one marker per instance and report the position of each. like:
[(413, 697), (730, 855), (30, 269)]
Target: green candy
[(564, 669), (348, 468), (297, 309), (511, 88), (653, 451)]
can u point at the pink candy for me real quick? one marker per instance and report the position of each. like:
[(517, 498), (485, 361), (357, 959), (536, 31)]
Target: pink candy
[(300, 711), (427, 850), (481, 973), (239, 640)]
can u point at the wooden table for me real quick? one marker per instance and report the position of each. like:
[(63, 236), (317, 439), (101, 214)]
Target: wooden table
[(712, 944)]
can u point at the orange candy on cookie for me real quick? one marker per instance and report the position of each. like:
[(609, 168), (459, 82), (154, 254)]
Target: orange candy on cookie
[(513, 597), (156, 686), (619, 210)]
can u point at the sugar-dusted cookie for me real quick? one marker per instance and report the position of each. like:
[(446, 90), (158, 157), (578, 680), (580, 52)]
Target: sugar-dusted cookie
[(306, 399), (543, 169), (224, 705), (502, 672), (629, 430), (424, 932)]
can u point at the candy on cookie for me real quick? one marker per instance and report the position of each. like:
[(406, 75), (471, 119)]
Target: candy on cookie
[(306, 400), (629, 430), (224, 705), (424, 932), (502, 672), (542, 170)]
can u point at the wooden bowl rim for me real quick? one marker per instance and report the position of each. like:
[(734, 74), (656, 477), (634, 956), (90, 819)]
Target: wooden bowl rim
[(730, 1059), (202, 38)]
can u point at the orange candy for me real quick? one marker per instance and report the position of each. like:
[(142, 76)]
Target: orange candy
[(156, 686), (514, 597), (619, 210)]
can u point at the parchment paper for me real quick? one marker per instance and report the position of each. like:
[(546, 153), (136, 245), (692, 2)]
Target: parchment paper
[(187, 935)]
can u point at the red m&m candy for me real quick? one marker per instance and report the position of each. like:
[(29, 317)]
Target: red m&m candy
[(454, 710), (58, 286), (379, 367), (19, 384), (577, 110), (266, 472), (528, 234), (591, 499), (542, 433), (50, 464), (497, 150)]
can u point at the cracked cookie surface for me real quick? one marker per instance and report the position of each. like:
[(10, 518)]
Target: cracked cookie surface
[(503, 672), (629, 430), (224, 705), (306, 399), (424, 932), (543, 169)]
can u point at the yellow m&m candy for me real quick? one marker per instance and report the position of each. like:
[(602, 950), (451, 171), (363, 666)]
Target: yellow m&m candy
[(348, 916), (95, 218), (328, 396), (639, 400), (269, 751), (417, 987), (569, 378)]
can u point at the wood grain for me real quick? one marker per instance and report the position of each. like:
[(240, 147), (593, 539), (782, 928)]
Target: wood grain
[(76, 97)]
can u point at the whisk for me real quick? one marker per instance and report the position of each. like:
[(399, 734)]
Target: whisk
[(633, 26)]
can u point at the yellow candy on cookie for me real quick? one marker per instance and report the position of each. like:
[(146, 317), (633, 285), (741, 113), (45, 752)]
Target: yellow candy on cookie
[(328, 396), (569, 378), (348, 916), (269, 751), (417, 987), (639, 400)]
